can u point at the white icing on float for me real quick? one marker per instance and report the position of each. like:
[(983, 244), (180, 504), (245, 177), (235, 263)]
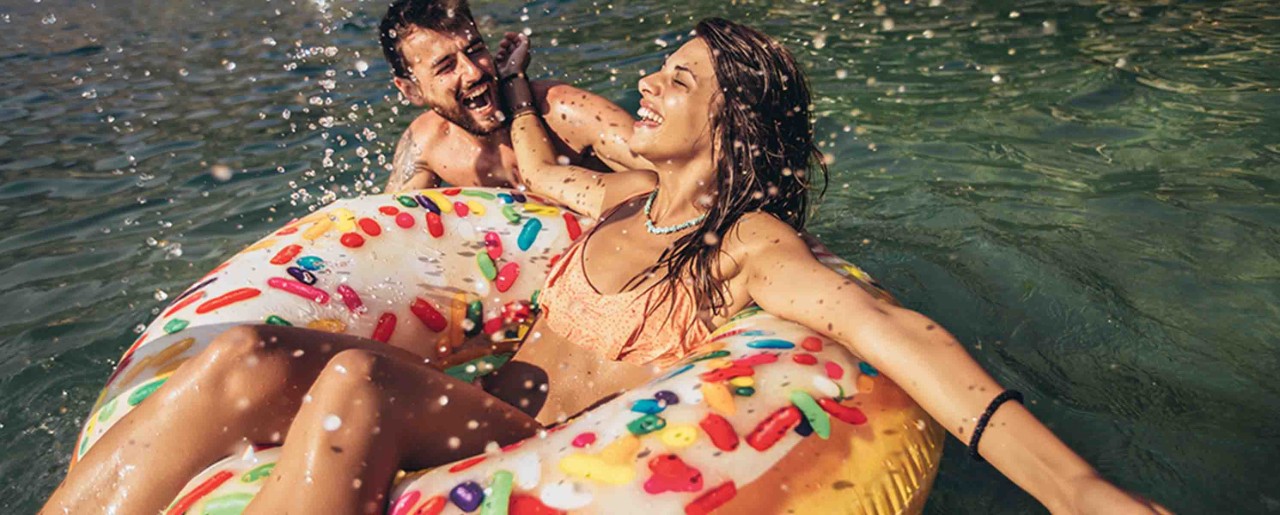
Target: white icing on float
[(766, 417)]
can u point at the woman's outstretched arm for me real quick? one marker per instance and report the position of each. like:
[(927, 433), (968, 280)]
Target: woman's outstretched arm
[(784, 278), (538, 167)]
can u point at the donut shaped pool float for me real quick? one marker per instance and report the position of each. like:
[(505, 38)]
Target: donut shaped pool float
[(766, 417)]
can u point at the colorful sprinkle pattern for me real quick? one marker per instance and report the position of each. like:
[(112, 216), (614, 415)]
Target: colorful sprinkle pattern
[(673, 445)]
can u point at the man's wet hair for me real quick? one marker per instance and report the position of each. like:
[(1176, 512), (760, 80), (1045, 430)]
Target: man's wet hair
[(406, 16)]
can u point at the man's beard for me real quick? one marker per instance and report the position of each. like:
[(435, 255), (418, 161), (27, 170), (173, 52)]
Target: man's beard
[(458, 115)]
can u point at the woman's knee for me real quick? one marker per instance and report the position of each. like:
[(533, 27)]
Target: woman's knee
[(242, 364)]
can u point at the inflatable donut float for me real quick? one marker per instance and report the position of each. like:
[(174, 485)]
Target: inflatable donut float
[(766, 417)]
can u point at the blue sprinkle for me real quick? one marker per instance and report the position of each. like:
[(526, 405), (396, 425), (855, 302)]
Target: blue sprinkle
[(505, 198), (756, 332), (647, 406), (867, 369), (771, 344), (311, 263), (677, 372), (805, 428), (519, 197), (427, 204), (529, 233)]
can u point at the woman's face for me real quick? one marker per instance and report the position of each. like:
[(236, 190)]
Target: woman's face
[(676, 105)]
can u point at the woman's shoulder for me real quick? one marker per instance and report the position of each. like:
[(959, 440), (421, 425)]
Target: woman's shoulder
[(758, 232)]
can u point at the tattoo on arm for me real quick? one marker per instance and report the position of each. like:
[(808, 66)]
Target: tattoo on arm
[(406, 163)]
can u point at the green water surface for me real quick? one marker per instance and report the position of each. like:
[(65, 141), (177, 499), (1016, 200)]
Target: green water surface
[(1084, 192)]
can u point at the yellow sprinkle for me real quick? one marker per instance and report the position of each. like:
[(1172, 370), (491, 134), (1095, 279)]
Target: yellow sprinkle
[(719, 398), (539, 209), (315, 231), (593, 468), (476, 207), (717, 363), (259, 245), (446, 206), (741, 381), (457, 313), (345, 219), (679, 436), (328, 325), (622, 450)]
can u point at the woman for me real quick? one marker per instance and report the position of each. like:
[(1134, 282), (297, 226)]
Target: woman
[(735, 175)]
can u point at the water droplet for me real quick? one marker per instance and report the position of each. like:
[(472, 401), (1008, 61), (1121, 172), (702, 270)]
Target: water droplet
[(49, 20), (160, 295), (332, 423), (221, 173)]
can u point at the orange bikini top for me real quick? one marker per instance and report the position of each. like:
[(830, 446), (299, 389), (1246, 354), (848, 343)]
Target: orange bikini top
[(624, 326)]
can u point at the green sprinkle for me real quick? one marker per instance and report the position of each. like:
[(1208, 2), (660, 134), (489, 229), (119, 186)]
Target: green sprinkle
[(646, 424), (818, 418), (257, 473), (230, 504), (106, 411), (141, 394), (511, 214), (711, 355), (486, 266), (499, 494), (275, 320), (407, 201), (479, 194), (175, 325), (745, 391)]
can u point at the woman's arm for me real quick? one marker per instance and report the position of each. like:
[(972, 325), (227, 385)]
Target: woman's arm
[(539, 168), (924, 359)]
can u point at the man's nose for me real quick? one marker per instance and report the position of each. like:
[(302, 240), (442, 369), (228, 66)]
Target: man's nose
[(470, 70)]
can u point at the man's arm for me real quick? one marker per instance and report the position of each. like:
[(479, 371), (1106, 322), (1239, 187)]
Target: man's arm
[(409, 171), (586, 120)]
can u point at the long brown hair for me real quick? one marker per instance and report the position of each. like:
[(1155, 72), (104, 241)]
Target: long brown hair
[(763, 147)]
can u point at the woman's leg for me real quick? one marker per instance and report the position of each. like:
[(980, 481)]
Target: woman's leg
[(245, 387), (369, 415)]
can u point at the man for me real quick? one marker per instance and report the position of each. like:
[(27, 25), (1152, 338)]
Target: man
[(440, 61)]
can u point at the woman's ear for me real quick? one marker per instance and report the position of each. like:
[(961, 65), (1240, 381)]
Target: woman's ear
[(409, 89)]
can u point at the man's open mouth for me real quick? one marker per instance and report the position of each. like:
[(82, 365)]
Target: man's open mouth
[(479, 98)]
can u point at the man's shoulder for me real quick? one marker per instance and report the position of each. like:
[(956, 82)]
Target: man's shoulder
[(427, 126)]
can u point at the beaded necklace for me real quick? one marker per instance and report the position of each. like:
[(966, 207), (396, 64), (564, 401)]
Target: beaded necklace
[(654, 229)]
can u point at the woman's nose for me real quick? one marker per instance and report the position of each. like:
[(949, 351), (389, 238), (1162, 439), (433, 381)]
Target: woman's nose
[(649, 85)]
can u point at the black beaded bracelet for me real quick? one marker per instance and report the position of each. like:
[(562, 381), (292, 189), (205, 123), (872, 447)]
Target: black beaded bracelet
[(1004, 396)]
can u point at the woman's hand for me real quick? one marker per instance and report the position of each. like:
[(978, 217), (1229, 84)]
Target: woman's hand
[(513, 54), (1094, 494)]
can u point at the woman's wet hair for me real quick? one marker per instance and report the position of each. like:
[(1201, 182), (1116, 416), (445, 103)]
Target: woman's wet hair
[(406, 16), (764, 151)]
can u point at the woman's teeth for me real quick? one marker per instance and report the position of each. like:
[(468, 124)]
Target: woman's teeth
[(649, 116)]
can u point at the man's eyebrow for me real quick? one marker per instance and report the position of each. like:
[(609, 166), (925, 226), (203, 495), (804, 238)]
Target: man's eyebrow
[(475, 40), (440, 60)]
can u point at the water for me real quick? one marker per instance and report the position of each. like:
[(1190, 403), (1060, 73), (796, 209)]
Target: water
[(1086, 193)]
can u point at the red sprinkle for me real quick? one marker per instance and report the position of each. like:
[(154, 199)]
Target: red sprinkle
[(286, 231), (405, 503), (428, 315), (461, 209), (727, 373), (435, 226), (209, 485), (404, 220), (763, 358), (452, 191), (227, 299), (834, 371), (386, 326), (466, 464), (524, 504), (433, 506), (571, 224), (804, 359), (847, 414), (812, 344), (286, 255), (370, 226), (351, 299), (584, 439), (493, 325), (507, 276), (191, 299), (352, 240), (389, 210), (712, 500), (493, 245), (729, 334), (773, 428), (721, 432)]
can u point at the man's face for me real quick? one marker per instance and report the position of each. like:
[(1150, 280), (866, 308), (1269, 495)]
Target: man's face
[(453, 74)]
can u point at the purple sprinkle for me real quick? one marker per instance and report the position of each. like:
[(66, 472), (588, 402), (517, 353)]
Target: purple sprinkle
[(667, 397), (467, 496)]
